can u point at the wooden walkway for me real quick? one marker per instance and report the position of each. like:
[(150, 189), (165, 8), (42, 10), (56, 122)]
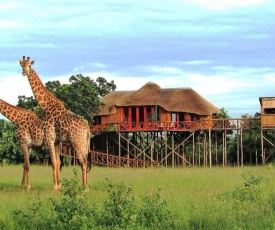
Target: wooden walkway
[(103, 159)]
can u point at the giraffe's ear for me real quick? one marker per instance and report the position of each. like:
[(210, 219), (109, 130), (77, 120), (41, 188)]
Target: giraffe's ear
[(32, 62), (19, 62)]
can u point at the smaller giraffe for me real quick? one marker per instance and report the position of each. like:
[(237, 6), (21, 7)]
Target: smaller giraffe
[(30, 133)]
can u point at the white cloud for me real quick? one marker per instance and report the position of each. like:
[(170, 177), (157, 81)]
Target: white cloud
[(6, 6), (225, 4), (258, 36), (12, 86), (196, 62), (270, 79), (10, 24)]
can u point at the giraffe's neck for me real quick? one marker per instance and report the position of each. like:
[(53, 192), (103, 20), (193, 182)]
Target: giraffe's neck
[(43, 96), (13, 113)]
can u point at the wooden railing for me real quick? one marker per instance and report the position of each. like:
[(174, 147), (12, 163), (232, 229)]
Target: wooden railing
[(214, 124), (116, 161), (268, 120), (104, 159)]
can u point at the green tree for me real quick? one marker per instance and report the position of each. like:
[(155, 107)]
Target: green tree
[(9, 146), (223, 114)]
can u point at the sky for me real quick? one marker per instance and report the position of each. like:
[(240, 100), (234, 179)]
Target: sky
[(222, 49)]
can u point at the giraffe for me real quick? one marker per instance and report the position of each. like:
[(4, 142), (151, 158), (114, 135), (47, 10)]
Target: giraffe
[(61, 126), (30, 132)]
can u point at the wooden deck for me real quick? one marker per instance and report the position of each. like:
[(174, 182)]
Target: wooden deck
[(214, 124)]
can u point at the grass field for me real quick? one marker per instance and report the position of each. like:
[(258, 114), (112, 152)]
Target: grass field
[(199, 198)]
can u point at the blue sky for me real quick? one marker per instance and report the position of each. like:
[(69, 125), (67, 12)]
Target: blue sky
[(223, 49)]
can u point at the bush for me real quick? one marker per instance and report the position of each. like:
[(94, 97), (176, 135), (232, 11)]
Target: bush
[(73, 210), (120, 210)]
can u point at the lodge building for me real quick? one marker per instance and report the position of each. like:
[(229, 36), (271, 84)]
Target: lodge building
[(153, 108), (150, 126)]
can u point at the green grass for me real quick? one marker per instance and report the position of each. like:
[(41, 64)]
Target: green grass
[(200, 198)]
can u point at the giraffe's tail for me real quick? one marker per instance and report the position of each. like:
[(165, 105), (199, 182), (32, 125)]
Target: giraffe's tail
[(61, 162), (89, 152), (89, 161)]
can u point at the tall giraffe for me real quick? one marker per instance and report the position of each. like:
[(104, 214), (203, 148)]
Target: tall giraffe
[(30, 132), (60, 125)]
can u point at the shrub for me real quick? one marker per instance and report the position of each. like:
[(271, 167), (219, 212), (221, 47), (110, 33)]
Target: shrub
[(122, 210), (73, 211)]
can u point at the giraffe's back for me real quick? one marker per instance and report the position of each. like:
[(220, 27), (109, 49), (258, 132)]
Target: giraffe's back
[(31, 129)]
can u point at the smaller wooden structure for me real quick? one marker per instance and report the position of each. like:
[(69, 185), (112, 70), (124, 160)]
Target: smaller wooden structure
[(267, 122), (267, 112)]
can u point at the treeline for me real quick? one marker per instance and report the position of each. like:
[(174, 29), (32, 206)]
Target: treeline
[(80, 96)]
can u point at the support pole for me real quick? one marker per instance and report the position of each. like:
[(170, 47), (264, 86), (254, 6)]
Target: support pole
[(119, 145), (238, 149), (199, 147), (225, 148), (210, 150), (193, 149), (165, 149), (128, 154), (262, 145), (173, 150), (242, 147)]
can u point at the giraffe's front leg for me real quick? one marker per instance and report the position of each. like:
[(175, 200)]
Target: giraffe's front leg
[(54, 161), (58, 164), (84, 168), (26, 166), (50, 137)]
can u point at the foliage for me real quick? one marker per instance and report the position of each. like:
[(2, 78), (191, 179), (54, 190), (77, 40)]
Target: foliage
[(121, 210), (223, 114), (31, 217), (249, 191), (10, 149), (72, 211), (9, 146), (155, 213)]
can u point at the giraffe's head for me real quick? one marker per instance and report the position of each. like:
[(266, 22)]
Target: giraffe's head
[(26, 65)]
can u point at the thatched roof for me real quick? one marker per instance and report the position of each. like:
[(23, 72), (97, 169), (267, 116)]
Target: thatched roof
[(171, 99)]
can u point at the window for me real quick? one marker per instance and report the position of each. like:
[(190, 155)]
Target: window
[(174, 117)]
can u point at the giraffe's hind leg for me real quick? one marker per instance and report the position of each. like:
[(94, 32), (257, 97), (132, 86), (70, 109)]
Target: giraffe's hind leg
[(26, 167)]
